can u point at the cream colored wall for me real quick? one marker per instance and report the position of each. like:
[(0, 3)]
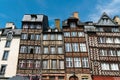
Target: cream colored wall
[(11, 62)]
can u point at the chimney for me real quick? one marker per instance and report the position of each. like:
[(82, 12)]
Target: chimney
[(117, 19), (57, 24), (75, 14)]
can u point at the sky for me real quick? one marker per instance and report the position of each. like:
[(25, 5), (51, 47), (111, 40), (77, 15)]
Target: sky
[(89, 10)]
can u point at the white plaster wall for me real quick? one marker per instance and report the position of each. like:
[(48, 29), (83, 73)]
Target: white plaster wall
[(11, 62)]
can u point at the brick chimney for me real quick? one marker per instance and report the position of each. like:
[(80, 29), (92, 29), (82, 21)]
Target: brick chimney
[(57, 24), (75, 14)]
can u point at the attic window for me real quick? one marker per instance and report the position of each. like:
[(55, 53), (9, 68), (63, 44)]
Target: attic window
[(72, 25), (9, 35), (33, 17)]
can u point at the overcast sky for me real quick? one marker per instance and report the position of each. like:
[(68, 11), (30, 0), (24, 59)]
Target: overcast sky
[(89, 10)]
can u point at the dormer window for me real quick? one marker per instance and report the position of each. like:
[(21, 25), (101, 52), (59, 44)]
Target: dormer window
[(72, 25), (33, 17), (9, 35), (56, 30)]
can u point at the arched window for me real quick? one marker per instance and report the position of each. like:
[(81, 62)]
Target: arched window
[(74, 77)]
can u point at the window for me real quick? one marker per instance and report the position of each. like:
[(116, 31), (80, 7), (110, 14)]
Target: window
[(25, 26), (52, 50), (112, 53), (3, 69), (60, 50), (24, 36), (23, 49), (117, 40), (61, 64), (45, 50), (67, 34), (105, 66), (59, 36), (103, 52), (77, 62), (45, 64), (114, 67), (118, 52), (109, 40), (69, 62), (61, 78), (84, 78), (80, 34), (37, 37), (74, 34), (9, 35), (52, 37), (83, 47), (22, 64), (45, 37), (32, 26), (37, 64), (5, 55), (102, 40), (30, 49), (68, 47), (8, 42), (54, 64), (72, 25), (85, 62), (37, 50), (32, 37), (38, 26), (75, 47), (29, 64), (115, 29)]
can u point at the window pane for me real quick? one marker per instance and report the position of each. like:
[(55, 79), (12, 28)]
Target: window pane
[(5, 55), (45, 64), (69, 62), (45, 37), (30, 49), (54, 64), (105, 66), (52, 50), (85, 62), (74, 34), (68, 47), (3, 69), (23, 49), (37, 50), (37, 37), (60, 50), (75, 47), (24, 36), (80, 34), (29, 64), (112, 53), (103, 52), (52, 37), (45, 50), (8, 42), (114, 67), (22, 64), (77, 62), (59, 36), (67, 34), (61, 64), (37, 64), (83, 47), (32, 37), (118, 52), (72, 24)]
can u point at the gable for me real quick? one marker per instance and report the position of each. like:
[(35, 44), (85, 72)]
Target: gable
[(105, 20)]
